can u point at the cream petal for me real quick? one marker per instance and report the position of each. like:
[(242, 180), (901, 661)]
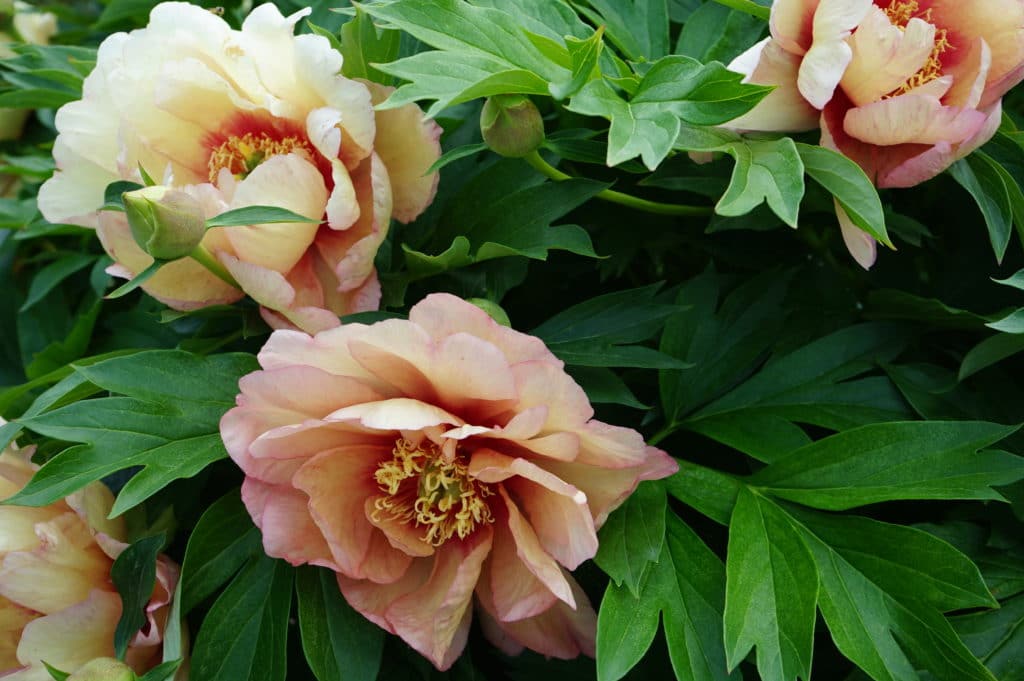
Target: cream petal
[(13, 619), (826, 61), (396, 414), (912, 119), (784, 109), (969, 86), (408, 143), (69, 638), (885, 56), (792, 24), (860, 244)]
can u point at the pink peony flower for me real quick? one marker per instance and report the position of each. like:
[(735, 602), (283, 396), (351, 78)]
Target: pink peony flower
[(57, 603), (432, 460), (903, 87), (239, 118)]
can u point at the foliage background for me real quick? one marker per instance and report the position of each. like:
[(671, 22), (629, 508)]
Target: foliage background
[(733, 341)]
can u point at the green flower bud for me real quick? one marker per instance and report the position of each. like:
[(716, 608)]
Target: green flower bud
[(103, 669), (493, 309), (166, 223), (511, 125)]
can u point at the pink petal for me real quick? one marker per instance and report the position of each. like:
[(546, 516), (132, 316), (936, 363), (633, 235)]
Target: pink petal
[(338, 483), (282, 514), (969, 85), (560, 631), (784, 109), (524, 579), (557, 510)]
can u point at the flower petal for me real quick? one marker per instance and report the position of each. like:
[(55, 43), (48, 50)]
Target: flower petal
[(860, 244), (69, 638), (912, 119), (282, 514), (885, 57), (784, 109)]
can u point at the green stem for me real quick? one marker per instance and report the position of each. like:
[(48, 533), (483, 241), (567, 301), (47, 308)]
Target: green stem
[(748, 7), (206, 259), (548, 170), (662, 434)]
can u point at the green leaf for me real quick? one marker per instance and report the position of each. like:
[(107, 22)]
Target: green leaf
[(601, 354), (1012, 323), (716, 33), (850, 186), (710, 492), (585, 54), (223, 539), (989, 352), (602, 385), (113, 192), (134, 575), (364, 44), (628, 316), (637, 27), (981, 177), (136, 281), (771, 591), (482, 51), (55, 673), (997, 637), (632, 537), (890, 461), (256, 215), (244, 637), (912, 565), (673, 90), (166, 421), (687, 586), (53, 274), (338, 641), (1016, 281), (164, 671), (455, 154), (766, 171)]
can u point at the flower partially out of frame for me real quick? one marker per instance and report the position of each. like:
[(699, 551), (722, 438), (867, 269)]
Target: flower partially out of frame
[(234, 118), (433, 462), (903, 87), (57, 601)]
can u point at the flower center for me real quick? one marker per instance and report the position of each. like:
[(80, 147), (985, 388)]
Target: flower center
[(424, 487), (241, 154), (900, 13)]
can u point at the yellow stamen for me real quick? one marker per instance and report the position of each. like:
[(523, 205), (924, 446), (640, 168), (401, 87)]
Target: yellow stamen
[(900, 13), (242, 154), (423, 487)]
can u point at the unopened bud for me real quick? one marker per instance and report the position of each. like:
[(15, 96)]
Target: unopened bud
[(103, 669), (511, 125), (166, 223)]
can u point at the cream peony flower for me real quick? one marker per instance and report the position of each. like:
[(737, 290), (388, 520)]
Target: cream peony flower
[(57, 603), (258, 116), (31, 27), (433, 462), (903, 87)]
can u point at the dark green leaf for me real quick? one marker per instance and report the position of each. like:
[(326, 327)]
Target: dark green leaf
[(980, 176), (850, 185), (256, 215), (997, 637), (53, 274), (244, 637), (888, 461), (364, 44), (134, 575), (637, 27), (628, 316), (989, 352), (338, 641)]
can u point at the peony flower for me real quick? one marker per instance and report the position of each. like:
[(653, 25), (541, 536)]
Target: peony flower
[(903, 87), (430, 463), (239, 118), (31, 27), (57, 603)]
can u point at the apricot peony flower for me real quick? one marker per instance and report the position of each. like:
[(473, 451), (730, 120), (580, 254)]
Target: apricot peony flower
[(430, 460), (903, 87), (239, 118), (57, 603)]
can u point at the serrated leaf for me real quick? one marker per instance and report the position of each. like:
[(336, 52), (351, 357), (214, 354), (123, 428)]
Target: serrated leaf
[(134, 575), (673, 90), (244, 636), (632, 537), (771, 591), (339, 642), (166, 420), (889, 461)]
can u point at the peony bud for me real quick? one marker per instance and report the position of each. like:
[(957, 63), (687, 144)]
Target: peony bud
[(103, 669), (166, 223), (511, 125)]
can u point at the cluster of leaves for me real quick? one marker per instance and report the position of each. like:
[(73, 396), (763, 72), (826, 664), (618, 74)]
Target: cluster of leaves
[(848, 440)]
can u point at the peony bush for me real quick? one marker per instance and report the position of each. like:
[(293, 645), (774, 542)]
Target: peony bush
[(511, 340)]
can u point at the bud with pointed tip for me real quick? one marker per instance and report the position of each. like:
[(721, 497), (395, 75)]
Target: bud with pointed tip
[(103, 669), (511, 125), (166, 223)]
